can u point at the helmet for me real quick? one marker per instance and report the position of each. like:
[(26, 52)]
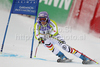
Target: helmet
[(43, 14)]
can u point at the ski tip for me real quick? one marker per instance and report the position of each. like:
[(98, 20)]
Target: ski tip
[(97, 63)]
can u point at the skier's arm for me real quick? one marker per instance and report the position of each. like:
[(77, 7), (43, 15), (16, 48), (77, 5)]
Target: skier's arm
[(54, 27), (36, 30)]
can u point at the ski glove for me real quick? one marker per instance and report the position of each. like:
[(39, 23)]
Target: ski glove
[(41, 40), (50, 35)]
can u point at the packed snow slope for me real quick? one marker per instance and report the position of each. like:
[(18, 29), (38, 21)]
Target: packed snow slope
[(19, 39)]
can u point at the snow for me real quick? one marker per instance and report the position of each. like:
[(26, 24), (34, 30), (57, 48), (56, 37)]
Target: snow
[(19, 38)]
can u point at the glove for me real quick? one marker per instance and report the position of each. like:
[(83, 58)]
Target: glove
[(41, 40), (50, 35), (46, 36)]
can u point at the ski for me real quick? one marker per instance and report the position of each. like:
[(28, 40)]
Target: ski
[(64, 61), (87, 62)]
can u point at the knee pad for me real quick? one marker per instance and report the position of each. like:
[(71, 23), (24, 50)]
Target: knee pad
[(65, 47)]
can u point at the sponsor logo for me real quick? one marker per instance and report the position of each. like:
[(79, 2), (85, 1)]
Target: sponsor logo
[(57, 3)]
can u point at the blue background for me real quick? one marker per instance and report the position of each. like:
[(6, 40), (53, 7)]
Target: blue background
[(28, 7)]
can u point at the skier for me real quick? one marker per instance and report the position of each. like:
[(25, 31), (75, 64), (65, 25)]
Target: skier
[(46, 32)]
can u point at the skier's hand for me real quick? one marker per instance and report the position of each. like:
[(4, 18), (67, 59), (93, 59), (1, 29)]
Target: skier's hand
[(46, 36), (50, 35), (41, 40)]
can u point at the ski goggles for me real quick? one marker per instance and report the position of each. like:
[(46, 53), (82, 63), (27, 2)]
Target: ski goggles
[(42, 19)]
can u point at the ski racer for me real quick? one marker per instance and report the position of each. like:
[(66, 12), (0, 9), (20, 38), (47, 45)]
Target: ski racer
[(46, 32)]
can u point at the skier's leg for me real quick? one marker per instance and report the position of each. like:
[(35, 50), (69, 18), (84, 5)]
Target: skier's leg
[(69, 49), (49, 44)]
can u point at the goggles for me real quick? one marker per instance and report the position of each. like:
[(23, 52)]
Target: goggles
[(42, 19)]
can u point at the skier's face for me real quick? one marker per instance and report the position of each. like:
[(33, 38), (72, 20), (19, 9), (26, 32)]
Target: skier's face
[(43, 21)]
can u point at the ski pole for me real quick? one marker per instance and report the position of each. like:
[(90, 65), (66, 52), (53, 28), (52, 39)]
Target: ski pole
[(36, 50)]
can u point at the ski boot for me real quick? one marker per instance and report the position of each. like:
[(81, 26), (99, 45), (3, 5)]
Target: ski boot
[(85, 60), (63, 58), (88, 61)]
